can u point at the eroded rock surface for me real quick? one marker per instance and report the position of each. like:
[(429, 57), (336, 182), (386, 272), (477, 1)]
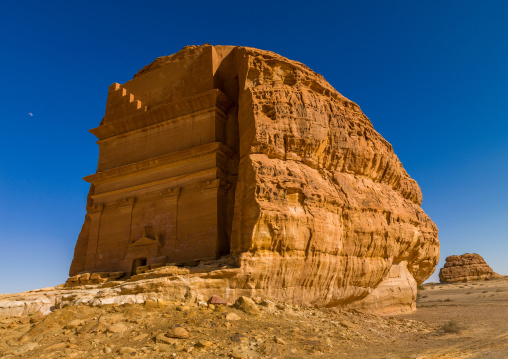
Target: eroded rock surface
[(308, 201), (465, 268)]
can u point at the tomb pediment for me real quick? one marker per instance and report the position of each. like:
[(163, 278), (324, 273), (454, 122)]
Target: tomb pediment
[(143, 241)]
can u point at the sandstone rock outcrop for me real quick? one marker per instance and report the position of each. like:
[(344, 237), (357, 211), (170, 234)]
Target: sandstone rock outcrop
[(241, 154), (465, 268)]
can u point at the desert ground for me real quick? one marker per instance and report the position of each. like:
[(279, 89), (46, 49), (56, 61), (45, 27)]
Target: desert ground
[(462, 320)]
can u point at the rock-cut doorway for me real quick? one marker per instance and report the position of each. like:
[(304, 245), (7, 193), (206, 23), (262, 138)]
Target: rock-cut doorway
[(138, 262)]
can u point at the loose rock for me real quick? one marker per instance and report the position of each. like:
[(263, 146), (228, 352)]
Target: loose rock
[(178, 333), (247, 305), (233, 316)]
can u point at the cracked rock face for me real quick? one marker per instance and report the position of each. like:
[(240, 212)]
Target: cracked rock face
[(322, 210), (325, 213), (465, 268)]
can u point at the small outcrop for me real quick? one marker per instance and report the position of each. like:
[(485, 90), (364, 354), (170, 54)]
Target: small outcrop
[(465, 268)]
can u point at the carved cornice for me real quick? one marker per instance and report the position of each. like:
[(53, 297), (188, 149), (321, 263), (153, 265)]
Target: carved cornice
[(159, 185), (162, 161)]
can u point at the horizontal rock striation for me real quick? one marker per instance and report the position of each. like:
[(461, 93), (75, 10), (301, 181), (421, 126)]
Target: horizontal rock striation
[(465, 268), (319, 209)]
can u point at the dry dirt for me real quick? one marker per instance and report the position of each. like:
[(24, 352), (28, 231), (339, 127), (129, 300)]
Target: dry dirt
[(462, 320)]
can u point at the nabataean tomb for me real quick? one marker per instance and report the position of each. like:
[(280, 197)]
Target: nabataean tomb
[(241, 156)]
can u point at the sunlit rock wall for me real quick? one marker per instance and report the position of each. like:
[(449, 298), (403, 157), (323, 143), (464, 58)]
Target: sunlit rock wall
[(320, 210)]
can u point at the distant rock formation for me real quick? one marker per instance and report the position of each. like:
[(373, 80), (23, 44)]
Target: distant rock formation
[(225, 151), (465, 268)]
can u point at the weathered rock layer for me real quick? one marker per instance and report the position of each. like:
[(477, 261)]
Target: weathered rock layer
[(318, 210), (465, 268)]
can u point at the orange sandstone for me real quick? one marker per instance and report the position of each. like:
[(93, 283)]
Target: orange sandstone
[(465, 268), (241, 154)]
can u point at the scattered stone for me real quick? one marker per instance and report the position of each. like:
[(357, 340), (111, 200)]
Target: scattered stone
[(25, 348), (215, 299), (162, 338), (348, 324), (74, 324), (204, 343), (25, 338), (127, 350), (86, 327), (183, 308), (281, 306), (25, 320), (178, 333), (235, 355), (98, 328), (12, 342), (268, 304), (107, 350), (117, 328), (35, 319), (140, 337), (238, 338), (247, 305), (164, 347), (57, 346), (233, 316), (279, 341)]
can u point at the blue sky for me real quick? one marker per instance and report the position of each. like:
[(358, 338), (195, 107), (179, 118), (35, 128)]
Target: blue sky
[(432, 76)]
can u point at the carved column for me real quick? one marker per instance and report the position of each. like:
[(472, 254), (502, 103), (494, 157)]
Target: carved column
[(126, 206), (95, 213), (170, 197)]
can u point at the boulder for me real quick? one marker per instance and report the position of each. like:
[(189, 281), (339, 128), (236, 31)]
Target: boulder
[(215, 299), (247, 305), (465, 268)]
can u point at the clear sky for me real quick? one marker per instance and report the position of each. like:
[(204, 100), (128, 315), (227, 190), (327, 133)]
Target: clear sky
[(431, 75)]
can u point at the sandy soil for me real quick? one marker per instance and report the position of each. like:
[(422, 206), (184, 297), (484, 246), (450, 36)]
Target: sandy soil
[(465, 320)]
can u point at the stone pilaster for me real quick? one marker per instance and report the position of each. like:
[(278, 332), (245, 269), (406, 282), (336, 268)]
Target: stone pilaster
[(126, 206), (170, 197), (95, 213)]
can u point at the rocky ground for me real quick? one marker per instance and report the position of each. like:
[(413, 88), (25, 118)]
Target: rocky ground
[(462, 320)]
